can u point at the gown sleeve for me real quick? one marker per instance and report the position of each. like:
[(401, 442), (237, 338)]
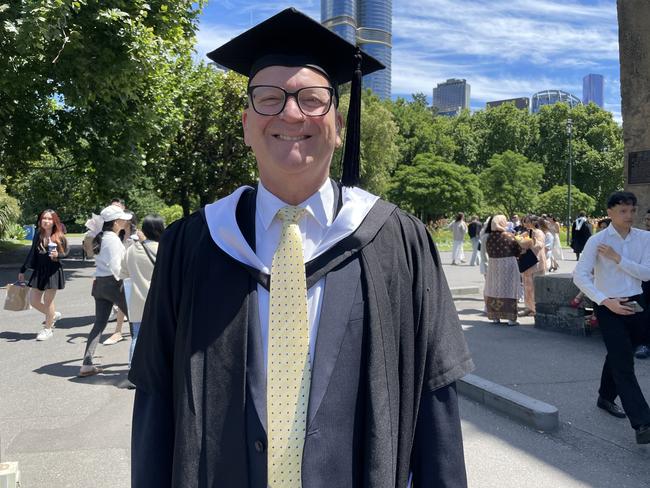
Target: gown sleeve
[(437, 455), (152, 437)]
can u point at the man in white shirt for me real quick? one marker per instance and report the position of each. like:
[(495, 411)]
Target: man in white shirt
[(611, 269)]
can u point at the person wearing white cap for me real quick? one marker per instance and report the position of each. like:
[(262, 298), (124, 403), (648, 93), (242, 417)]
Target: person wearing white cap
[(107, 289)]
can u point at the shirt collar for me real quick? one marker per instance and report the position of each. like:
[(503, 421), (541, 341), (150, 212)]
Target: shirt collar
[(320, 205), (613, 232)]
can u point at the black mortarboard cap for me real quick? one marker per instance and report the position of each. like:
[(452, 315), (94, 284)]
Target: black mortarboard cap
[(291, 38)]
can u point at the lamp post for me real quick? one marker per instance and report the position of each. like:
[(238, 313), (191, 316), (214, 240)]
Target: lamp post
[(569, 129)]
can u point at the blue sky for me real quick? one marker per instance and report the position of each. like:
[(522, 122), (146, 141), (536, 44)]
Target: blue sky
[(504, 48)]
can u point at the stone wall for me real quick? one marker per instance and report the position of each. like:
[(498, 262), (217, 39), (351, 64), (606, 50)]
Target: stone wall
[(553, 294), (634, 50)]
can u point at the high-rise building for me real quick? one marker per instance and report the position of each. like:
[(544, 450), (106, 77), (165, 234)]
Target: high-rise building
[(522, 103), (452, 96), (592, 89), (550, 97), (340, 16), (368, 24)]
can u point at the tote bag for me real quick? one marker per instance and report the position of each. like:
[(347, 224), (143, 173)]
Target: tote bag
[(17, 297)]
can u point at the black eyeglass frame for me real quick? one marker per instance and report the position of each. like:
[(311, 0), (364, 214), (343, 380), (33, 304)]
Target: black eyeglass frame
[(287, 94)]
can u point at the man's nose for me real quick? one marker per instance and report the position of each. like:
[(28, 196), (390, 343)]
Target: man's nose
[(291, 109)]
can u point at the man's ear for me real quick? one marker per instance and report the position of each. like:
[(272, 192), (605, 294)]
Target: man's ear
[(244, 123), (339, 126)]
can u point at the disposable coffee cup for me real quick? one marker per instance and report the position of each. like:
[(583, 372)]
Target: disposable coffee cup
[(51, 247)]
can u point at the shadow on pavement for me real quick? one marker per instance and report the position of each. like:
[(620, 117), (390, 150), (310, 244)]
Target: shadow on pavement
[(17, 336), (72, 322), (114, 374)]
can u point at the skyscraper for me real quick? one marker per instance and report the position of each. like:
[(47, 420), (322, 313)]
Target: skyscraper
[(452, 96), (368, 24), (592, 89)]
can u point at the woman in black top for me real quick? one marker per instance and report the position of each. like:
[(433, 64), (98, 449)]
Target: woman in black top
[(48, 247)]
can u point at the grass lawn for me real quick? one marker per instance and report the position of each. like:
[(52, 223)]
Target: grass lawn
[(9, 246), (444, 241)]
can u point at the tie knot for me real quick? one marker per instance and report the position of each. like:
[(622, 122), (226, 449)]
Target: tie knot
[(290, 214)]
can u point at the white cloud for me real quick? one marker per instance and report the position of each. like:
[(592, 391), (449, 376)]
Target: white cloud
[(505, 33)]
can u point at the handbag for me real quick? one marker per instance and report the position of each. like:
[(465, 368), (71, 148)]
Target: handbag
[(527, 260), (17, 298)]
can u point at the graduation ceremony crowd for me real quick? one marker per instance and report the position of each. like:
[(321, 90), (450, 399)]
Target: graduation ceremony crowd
[(301, 332), (511, 253)]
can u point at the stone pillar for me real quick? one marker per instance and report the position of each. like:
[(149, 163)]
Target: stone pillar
[(634, 49)]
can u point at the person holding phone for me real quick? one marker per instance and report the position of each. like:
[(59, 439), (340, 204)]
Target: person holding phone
[(611, 269)]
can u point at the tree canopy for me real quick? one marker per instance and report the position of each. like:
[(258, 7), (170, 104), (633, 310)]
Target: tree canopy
[(512, 182), (433, 188)]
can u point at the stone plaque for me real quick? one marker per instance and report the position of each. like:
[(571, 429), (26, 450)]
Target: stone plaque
[(638, 167)]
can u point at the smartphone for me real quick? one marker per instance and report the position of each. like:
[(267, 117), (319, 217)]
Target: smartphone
[(634, 306)]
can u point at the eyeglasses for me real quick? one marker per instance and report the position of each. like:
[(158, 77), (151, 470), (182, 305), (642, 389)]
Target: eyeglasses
[(313, 101)]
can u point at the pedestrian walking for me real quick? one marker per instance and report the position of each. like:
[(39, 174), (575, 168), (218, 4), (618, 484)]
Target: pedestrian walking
[(474, 231), (611, 269), (537, 245), (502, 279), (299, 333), (558, 254), (580, 232), (107, 288), (458, 230), (137, 265), (49, 246), (484, 234)]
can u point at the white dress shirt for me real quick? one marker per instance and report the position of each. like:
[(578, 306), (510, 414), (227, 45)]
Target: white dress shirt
[(600, 278), (109, 260), (319, 228), (313, 225)]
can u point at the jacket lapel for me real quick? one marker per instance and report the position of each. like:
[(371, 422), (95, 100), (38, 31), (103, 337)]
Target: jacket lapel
[(338, 300), (256, 372)]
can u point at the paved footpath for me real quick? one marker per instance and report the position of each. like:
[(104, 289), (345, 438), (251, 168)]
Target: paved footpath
[(71, 432)]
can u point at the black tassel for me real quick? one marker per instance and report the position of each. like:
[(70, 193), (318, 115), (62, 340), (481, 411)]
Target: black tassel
[(352, 152)]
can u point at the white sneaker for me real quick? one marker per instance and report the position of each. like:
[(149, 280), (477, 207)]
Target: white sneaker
[(44, 334), (113, 316), (57, 316)]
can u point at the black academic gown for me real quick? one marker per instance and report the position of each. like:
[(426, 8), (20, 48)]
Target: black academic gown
[(383, 403)]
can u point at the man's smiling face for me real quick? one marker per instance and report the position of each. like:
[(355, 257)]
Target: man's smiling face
[(291, 148)]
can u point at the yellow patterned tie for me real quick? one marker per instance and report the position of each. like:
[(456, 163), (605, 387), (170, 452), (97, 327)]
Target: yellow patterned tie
[(289, 365)]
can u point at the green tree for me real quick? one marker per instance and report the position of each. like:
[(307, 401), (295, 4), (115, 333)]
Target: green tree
[(555, 202), (596, 149), (500, 129), (90, 85), (465, 140), (379, 150), (433, 188), (207, 158), (9, 212), (420, 131), (512, 183)]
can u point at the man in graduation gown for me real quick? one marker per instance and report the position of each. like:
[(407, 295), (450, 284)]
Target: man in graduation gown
[(382, 345)]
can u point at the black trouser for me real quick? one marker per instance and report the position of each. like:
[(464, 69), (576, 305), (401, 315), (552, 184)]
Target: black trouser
[(106, 291), (621, 334)]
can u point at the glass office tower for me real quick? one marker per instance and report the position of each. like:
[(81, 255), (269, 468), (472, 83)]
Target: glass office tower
[(368, 24), (592, 89), (340, 16), (452, 96)]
